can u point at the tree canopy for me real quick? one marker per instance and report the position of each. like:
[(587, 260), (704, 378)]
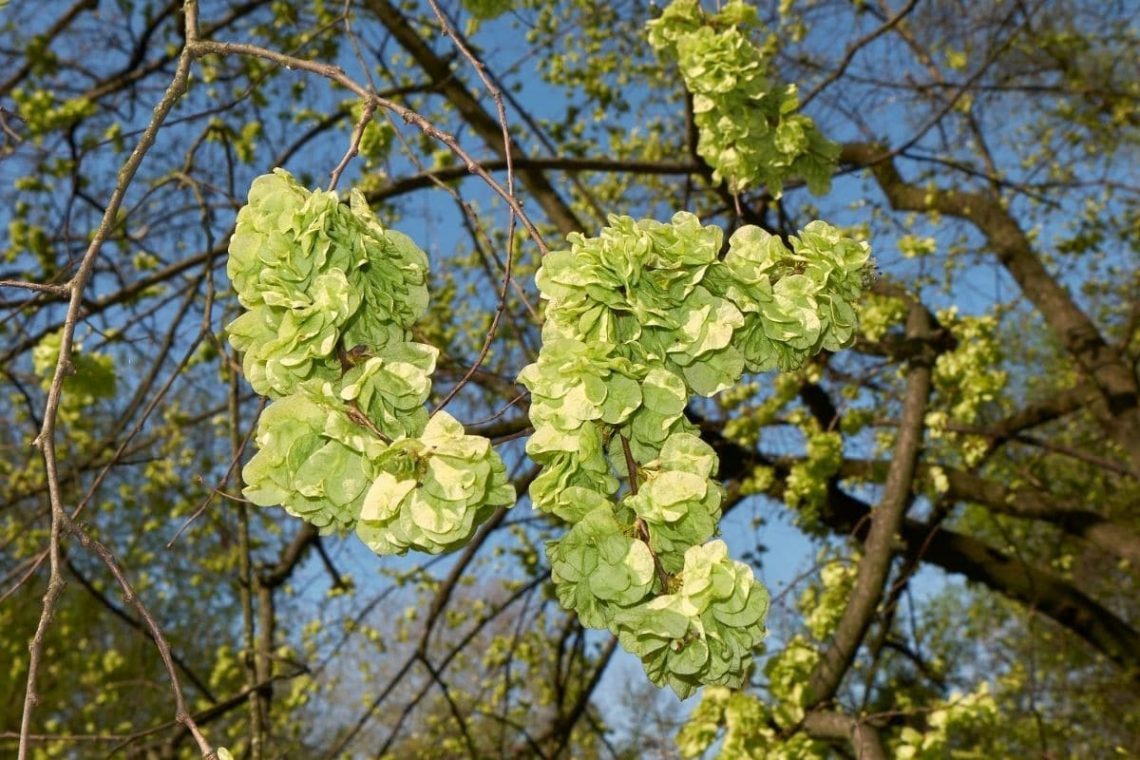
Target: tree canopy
[(442, 379)]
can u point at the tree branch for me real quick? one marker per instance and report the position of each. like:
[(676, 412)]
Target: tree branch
[(885, 521), (1102, 363), (960, 554), (559, 163), (483, 123), (1032, 504), (837, 727)]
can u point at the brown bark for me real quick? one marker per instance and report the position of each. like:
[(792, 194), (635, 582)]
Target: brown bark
[(1116, 538), (831, 726), (1028, 503), (964, 555), (886, 518), (1102, 363)]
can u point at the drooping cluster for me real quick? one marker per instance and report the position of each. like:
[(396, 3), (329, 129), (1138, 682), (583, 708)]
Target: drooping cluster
[(347, 442), (706, 631), (748, 128), (305, 265), (798, 302), (639, 319)]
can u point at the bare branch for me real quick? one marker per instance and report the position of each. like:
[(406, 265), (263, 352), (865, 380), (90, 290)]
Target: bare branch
[(46, 438), (885, 522)]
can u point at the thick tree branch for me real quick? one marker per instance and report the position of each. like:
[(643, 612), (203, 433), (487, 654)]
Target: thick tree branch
[(885, 521), (1024, 503), (291, 556), (1033, 504), (1102, 363), (964, 555), (1035, 588), (837, 727), (1060, 404)]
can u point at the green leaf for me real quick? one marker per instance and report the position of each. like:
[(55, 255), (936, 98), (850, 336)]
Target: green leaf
[(664, 392), (297, 466)]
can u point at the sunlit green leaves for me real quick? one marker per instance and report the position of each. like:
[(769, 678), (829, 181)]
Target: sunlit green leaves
[(638, 320), (313, 274), (631, 334), (749, 131), (959, 715), (92, 374), (42, 112), (678, 500), (390, 389), (597, 570), (795, 302), (433, 491), (572, 484), (574, 382), (743, 727), (705, 632), (304, 461), (487, 9), (88, 377), (634, 276), (332, 297)]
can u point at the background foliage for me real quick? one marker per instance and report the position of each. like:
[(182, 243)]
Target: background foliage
[(944, 513)]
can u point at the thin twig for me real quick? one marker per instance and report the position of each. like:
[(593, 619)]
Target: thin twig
[(39, 287), (367, 109), (439, 602), (182, 713), (219, 490), (46, 438), (639, 524), (336, 74), (855, 47), (497, 96), (456, 713)]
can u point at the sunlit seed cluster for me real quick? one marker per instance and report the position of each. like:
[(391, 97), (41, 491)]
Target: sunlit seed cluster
[(748, 128), (347, 443), (638, 320)]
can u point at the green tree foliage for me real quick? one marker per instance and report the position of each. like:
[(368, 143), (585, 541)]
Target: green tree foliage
[(749, 130), (349, 443), (439, 379), (637, 321)]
